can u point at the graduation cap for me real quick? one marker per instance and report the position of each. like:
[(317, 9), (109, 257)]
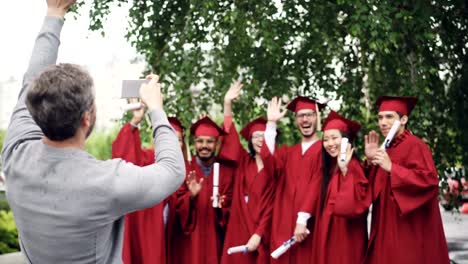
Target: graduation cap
[(401, 104), (336, 121), (206, 127), (258, 124), (301, 103), (176, 124)]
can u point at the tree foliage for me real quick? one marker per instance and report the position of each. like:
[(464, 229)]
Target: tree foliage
[(348, 51)]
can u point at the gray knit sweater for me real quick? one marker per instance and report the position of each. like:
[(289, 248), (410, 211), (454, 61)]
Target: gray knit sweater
[(68, 206)]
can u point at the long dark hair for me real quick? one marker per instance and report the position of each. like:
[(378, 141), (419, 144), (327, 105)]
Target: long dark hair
[(252, 152), (327, 162)]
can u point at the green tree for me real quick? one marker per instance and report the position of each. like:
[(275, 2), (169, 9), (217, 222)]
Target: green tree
[(2, 137), (348, 51), (8, 233), (99, 143)]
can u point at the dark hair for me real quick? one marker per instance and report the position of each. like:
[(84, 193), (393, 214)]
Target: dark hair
[(327, 162), (252, 152), (58, 98), (400, 115)]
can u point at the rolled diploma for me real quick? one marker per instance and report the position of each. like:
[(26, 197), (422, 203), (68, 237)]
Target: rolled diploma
[(215, 184), (238, 249), (344, 146), (391, 134), (283, 248), (130, 107)]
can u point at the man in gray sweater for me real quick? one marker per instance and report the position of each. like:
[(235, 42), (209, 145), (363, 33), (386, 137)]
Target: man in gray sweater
[(68, 206)]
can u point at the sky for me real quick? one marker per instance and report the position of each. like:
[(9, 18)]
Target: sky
[(107, 58)]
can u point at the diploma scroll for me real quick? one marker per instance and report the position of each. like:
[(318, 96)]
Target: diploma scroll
[(391, 134), (131, 107), (238, 249), (284, 247), (344, 147), (215, 184)]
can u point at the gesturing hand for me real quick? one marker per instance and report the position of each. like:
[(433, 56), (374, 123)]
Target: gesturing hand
[(58, 8), (371, 142), (343, 165), (138, 114), (274, 111), (233, 92), (193, 185)]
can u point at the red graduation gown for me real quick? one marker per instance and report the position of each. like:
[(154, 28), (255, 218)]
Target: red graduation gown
[(254, 216), (204, 242), (340, 234), (295, 174), (144, 233), (406, 222)]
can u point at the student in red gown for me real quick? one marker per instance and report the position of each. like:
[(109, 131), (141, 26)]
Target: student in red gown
[(204, 243), (147, 232), (296, 165), (406, 222), (252, 204), (340, 198)]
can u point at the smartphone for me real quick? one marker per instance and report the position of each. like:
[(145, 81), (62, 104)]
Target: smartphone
[(131, 88)]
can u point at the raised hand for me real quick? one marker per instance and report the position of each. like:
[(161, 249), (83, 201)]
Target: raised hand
[(58, 8), (150, 93), (193, 185), (138, 114), (275, 111), (371, 142), (343, 165), (233, 92)]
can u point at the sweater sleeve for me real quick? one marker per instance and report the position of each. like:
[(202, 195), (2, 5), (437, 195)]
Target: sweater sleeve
[(141, 187), (22, 127)]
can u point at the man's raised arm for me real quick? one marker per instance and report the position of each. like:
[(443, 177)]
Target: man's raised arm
[(22, 127)]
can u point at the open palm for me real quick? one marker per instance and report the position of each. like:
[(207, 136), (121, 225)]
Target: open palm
[(371, 142), (193, 185), (275, 111)]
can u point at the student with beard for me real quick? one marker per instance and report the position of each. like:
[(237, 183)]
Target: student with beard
[(203, 244), (339, 198), (406, 222), (295, 166), (68, 206)]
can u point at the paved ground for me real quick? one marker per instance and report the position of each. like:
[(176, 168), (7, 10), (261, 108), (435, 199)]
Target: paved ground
[(455, 226), (456, 232)]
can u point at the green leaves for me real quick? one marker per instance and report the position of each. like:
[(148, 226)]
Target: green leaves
[(353, 51)]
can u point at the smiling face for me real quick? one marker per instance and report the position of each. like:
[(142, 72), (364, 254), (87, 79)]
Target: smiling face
[(257, 140), (205, 147), (332, 141), (386, 120), (306, 121)]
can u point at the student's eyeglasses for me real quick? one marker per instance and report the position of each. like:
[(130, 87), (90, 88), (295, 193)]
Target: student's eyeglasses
[(207, 141), (306, 115)]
